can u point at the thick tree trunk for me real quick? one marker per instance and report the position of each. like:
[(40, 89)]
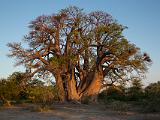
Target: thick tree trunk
[(60, 87), (72, 88), (72, 91), (90, 88), (94, 86)]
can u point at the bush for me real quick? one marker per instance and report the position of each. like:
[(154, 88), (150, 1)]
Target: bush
[(112, 93), (153, 90), (41, 94), (89, 99), (17, 88), (11, 88), (135, 92), (39, 108), (152, 106), (152, 97), (119, 106), (8, 90)]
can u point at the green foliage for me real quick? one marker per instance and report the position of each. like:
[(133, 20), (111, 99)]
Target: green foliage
[(41, 94), (112, 93), (152, 92), (8, 90), (58, 60), (139, 99), (16, 88), (135, 92), (13, 88)]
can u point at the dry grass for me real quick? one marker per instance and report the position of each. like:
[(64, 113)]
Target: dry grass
[(40, 108), (70, 112)]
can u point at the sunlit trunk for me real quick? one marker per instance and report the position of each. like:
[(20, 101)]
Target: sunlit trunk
[(89, 87), (60, 87), (94, 86), (72, 88)]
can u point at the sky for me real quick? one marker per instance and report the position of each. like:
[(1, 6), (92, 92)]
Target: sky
[(142, 17)]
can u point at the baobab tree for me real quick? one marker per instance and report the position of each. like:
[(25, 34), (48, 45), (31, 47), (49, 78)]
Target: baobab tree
[(81, 51)]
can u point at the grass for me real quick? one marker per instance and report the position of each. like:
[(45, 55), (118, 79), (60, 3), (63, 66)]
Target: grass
[(118, 106), (40, 108)]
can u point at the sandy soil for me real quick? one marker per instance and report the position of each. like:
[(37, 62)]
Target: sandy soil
[(71, 112)]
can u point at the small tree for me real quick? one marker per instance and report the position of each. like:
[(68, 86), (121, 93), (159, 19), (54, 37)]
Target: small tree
[(135, 92), (12, 87), (9, 91), (152, 91)]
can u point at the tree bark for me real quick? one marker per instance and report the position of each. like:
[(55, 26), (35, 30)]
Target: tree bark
[(60, 87), (94, 86), (72, 88)]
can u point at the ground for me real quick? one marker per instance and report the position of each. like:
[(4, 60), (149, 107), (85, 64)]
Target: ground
[(71, 112)]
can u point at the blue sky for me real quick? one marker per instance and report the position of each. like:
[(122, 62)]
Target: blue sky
[(141, 16)]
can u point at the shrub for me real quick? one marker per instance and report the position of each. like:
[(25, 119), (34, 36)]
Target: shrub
[(89, 99), (8, 90), (135, 92), (39, 108), (152, 92), (152, 105), (112, 93), (119, 106), (41, 94)]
